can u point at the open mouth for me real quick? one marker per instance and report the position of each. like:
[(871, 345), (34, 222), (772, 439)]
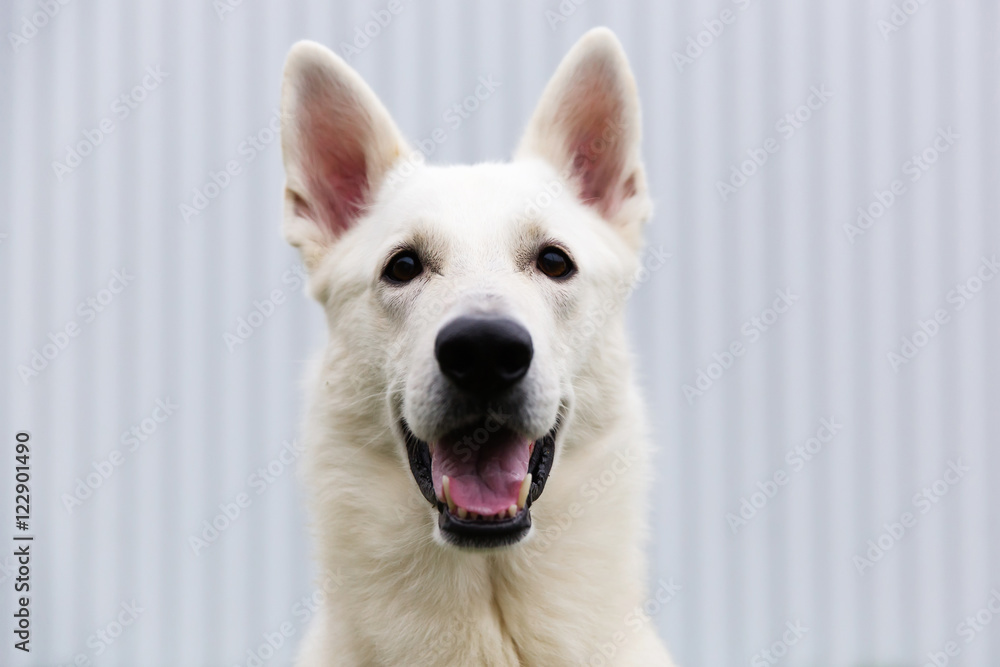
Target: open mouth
[(483, 487)]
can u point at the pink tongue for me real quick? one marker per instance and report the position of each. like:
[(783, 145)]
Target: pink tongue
[(485, 478)]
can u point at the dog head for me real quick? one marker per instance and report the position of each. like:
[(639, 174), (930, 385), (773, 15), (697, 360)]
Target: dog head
[(466, 303)]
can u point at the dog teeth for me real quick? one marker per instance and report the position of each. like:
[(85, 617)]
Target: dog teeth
[(522, 497), (463, 513), (446, 489)]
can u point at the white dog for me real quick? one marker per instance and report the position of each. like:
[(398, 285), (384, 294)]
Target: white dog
[(476, 456)]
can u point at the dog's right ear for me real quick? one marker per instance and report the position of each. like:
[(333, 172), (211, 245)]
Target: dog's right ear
[(588, 126), (338, 143)]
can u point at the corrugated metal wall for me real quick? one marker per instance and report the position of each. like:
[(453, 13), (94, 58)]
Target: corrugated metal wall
[(198, 419)]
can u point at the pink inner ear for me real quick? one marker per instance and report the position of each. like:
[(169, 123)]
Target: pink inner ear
[(596, 139), (340, 189), (598, 173), (336, 162)]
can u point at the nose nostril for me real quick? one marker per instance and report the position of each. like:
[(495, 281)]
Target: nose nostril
[(513, 360), (456, 358), (483, 355)]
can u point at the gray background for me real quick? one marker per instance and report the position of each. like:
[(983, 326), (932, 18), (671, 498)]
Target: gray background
[(163, 336)]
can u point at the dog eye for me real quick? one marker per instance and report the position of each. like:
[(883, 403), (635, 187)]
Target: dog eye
[(554, 263), (403, 267)]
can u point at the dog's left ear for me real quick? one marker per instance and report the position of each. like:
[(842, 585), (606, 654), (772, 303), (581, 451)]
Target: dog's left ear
[(338, 144), (588, 126)]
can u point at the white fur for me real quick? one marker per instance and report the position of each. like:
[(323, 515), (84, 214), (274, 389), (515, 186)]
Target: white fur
[(401, 596)]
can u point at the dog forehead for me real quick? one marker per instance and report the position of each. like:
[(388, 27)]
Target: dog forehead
[(473, 205)]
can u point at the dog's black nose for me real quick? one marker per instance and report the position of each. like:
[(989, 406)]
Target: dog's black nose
[(483, 355)]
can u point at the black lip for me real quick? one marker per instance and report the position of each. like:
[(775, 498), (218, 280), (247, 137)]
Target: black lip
[(478, 533)]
